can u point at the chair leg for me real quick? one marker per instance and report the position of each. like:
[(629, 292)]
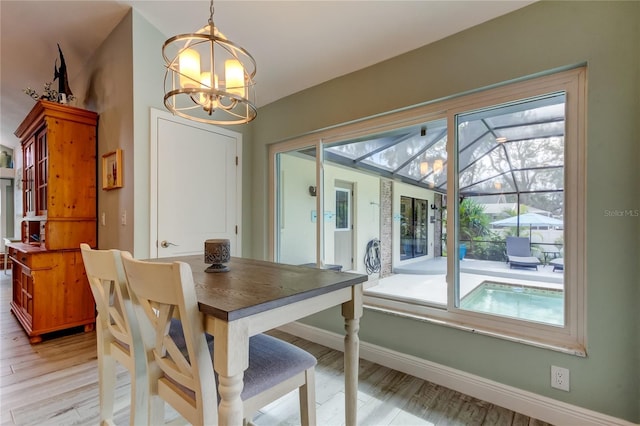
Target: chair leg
[(156, 410), (139, 411), (141, 391), (106, 378), (156, 405), (308, 399)]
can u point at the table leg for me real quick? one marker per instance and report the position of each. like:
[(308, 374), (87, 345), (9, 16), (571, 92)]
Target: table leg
[(231, 349), (352, 311), (230, 408)]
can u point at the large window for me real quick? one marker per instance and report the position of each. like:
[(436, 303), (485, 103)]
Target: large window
[(505, 168), (513, 150)]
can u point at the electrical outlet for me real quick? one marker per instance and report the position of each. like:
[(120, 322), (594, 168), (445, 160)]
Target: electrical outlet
[(560, 378)]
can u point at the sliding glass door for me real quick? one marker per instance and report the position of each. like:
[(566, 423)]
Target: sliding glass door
[(413, 228)]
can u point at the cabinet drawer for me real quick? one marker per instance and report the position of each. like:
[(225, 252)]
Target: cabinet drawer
[(32, 260), (24, 259), (16, 255)]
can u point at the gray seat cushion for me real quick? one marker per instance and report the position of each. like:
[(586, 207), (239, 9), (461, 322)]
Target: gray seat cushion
[(271, 360)]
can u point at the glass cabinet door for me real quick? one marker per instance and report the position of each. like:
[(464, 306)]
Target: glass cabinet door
[(28, 180), (42, 173)]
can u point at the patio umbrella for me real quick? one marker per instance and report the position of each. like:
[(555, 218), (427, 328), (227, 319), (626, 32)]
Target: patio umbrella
[(531, 219)]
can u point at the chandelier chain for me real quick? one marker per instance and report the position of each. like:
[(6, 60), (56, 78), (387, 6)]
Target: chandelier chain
[(211, 11)]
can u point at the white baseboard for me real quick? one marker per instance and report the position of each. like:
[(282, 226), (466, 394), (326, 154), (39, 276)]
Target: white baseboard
[(530, 404)]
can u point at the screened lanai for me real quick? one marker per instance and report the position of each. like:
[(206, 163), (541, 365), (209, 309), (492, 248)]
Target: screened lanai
[(511, 150), (510, 162)]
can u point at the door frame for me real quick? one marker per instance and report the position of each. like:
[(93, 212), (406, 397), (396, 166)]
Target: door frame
[(155, 116)]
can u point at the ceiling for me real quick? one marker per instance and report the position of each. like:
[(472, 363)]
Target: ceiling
[(296, 44)]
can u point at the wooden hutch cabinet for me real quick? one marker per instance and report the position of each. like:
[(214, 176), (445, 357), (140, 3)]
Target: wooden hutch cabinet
[(50, 287)]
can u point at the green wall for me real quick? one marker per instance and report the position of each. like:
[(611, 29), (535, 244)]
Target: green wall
[(535, 39)]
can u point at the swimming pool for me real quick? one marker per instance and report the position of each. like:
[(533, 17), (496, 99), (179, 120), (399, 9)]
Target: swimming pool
[(528, 303)]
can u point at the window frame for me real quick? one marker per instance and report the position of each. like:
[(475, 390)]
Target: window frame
[(571, 337)]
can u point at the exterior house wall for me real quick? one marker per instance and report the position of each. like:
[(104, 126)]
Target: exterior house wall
[(386, 228), (298, 229)]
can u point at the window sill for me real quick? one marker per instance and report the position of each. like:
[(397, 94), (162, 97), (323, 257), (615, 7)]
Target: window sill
[(434, 315)]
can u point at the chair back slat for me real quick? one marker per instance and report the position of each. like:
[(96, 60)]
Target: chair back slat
[(118, 324)]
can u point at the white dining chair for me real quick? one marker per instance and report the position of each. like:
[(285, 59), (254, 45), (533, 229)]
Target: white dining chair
[(118, 334), (181, 373)]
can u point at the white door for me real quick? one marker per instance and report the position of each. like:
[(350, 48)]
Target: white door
[(195, 186), (343, 237)]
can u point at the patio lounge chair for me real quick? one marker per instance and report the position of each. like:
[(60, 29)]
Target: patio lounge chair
[(519, 253), (558, 264)]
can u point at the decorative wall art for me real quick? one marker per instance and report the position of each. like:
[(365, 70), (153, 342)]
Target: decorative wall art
[(112, 170)]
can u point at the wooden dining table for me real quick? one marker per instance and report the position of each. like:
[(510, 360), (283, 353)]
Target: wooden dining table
[(256, 296)]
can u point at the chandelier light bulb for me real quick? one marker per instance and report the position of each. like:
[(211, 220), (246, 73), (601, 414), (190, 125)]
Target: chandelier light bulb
[(189, 68), (234, 77)]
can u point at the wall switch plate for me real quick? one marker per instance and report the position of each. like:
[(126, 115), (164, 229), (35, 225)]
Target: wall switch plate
[(560, 378)]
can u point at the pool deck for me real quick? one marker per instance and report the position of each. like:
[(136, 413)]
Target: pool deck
[(425, 280)]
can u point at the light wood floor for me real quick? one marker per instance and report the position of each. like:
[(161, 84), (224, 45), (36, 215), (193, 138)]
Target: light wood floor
[(55, 383)]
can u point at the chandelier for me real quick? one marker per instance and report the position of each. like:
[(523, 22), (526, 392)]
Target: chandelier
[(209, 78)]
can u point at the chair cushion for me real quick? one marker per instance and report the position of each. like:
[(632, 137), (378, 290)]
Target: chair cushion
[(271, 360), (522, 260)]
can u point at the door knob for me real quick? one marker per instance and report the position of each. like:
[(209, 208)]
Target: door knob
[(165, 244)]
